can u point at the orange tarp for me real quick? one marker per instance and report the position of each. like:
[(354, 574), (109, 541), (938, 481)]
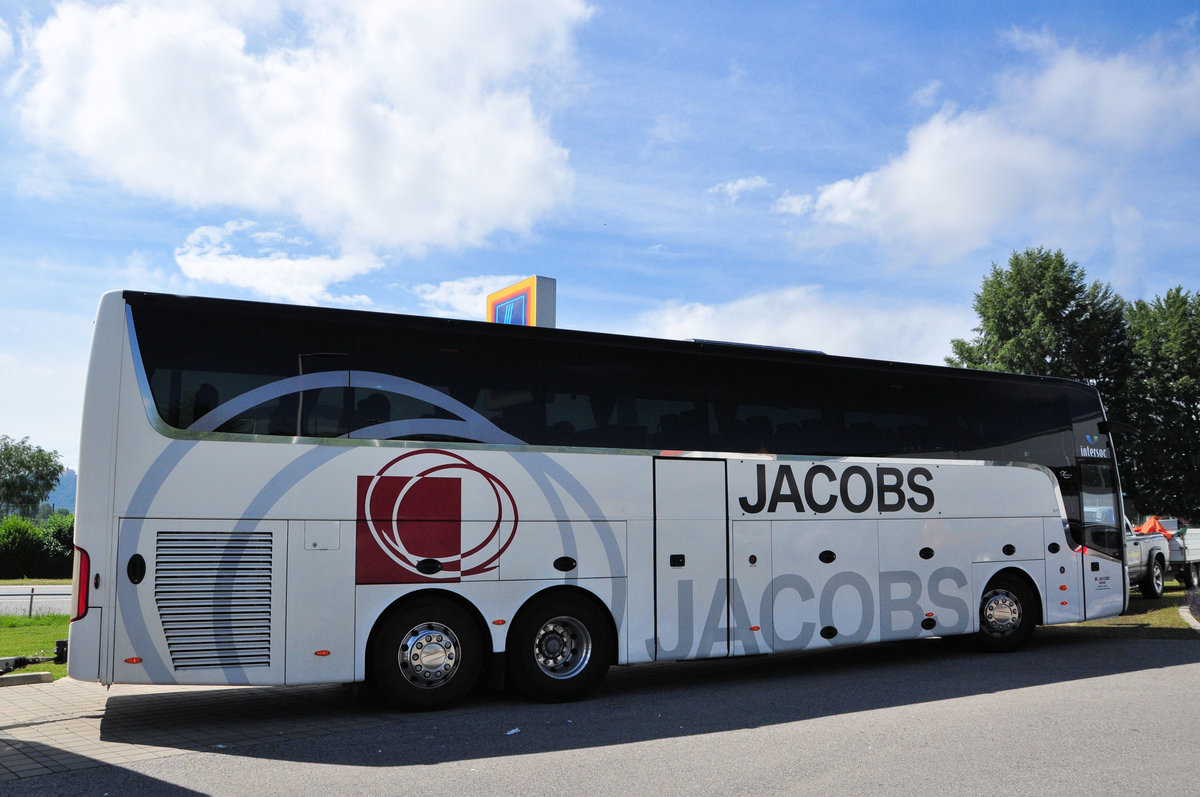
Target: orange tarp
[(1152, 525)]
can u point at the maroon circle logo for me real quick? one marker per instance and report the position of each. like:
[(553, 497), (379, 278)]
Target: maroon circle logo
[(412, 512)]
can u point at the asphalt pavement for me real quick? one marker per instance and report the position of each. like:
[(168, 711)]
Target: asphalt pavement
[(1062, 716)]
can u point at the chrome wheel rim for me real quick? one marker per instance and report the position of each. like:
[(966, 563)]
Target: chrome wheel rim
[(1001, 612), (562, 647), (428, 655)]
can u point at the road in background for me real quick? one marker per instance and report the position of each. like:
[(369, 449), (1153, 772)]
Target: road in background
[(47, 599)]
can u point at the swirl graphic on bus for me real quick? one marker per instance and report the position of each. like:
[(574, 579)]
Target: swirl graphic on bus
[(411, 526)]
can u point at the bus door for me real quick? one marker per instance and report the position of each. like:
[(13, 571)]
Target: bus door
[(1104, 581), (691, 559), (200, 601)]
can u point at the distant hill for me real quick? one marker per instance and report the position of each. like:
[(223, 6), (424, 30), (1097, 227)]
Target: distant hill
[(63, 496)]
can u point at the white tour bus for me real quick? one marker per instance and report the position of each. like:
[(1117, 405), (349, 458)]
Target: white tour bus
[(289, 495)]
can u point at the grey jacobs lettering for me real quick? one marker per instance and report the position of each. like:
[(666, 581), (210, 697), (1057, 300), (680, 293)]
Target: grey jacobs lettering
[(899, 611)]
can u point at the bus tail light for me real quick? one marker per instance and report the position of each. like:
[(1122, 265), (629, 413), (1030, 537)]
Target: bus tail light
[(79, 582)]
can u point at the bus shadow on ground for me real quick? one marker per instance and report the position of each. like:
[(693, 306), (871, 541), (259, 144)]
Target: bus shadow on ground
[(635, 704)]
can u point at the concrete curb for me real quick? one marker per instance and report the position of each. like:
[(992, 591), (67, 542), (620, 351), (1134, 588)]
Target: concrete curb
[(21, 678), (1186, 614)]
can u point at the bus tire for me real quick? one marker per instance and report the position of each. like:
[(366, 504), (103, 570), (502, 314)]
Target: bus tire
[(559, 647), (1152, 584), (426, 655), (1007, 615)]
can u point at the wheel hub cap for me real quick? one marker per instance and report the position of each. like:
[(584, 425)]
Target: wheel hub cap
[(428, 657), (1002, 614), (562, 647)]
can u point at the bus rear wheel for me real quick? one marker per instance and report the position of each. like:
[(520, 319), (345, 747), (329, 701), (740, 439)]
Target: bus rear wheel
[(559, 648), (426, 655), (1006, 615)]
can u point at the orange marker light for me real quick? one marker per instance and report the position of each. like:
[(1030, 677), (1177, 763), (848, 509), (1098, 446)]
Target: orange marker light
[(755, 627), (320, 652), (1063, 587), (134, 660), (929, 614), (499, 622)]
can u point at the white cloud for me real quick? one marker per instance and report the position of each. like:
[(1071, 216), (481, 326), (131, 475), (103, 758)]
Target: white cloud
[(927, 95), (461, 298), (6, 42), (793, 204), (1048, 155), (804, 317), (378, 125), (140, 274), (734, 189), (1128, 101), (963, 176), (210, 254)]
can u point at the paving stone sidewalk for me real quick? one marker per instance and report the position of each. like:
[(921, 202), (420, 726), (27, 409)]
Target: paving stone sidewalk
[(69, 724)]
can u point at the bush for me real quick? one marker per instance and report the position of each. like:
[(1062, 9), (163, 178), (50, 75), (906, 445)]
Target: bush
[(21, 546), (58, 536), (30, 551)]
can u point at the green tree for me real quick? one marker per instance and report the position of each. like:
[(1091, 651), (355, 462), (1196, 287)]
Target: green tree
[(1038, 316), (1163, 458), (27, 475)]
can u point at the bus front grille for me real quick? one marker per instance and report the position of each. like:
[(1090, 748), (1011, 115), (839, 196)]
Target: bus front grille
[(213, 593)]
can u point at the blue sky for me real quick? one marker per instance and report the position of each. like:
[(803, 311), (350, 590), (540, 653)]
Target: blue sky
[(833, 176)]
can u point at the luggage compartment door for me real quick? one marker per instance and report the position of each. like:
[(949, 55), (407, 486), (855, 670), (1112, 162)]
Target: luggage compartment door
[(691, 559)]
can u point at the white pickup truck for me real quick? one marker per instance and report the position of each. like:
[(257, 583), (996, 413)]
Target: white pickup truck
[(1150, 558)]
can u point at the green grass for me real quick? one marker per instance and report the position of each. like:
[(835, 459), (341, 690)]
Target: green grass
[(33, 636), (33, 582), (1145, 618)]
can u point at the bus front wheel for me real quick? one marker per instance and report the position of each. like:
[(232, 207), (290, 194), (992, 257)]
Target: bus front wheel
[(427, 655), (559, 648), (1006, 615)]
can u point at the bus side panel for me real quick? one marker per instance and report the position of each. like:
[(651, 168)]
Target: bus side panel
[(924, 577), (751, 597), (1104, 584), (1064, 576), (831, 567), (320, 602), (94, 494), (636, 634), (200, 602), (691, 559)]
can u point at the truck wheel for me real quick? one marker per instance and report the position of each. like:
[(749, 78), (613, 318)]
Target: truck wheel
[(559, 648), (1192, 578), (427, 655), (1006, 615), (1152, 584)]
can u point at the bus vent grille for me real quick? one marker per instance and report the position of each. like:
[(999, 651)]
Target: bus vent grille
[(213, 592)]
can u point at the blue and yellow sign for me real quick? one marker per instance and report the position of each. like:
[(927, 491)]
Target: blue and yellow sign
[(529, 303)]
